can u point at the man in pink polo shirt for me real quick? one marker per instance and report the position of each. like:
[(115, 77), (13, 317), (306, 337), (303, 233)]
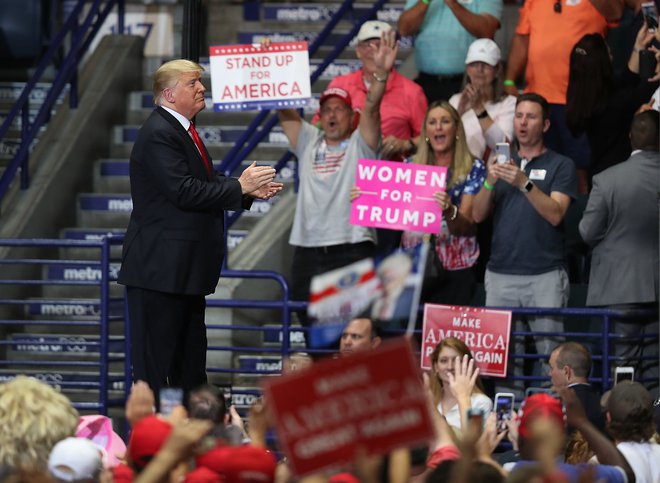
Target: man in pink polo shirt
[(403, 106)]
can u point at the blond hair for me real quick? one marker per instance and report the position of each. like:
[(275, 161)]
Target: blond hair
[(33, 418), (168, 74), (462, 161)]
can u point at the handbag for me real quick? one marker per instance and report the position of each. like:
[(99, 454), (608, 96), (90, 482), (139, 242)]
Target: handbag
[(434, 272)]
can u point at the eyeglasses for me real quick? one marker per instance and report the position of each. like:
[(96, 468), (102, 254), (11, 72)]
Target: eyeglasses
[(557, 6)]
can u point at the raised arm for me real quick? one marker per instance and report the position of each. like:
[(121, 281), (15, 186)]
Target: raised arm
[(480, 25), (612, 10), (552, 208), (291, 124), (517, 61), (484, 200), (411, 20), (384, 58)]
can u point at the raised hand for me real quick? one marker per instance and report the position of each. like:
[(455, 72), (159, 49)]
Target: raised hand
[(385, 54), (463, 379)]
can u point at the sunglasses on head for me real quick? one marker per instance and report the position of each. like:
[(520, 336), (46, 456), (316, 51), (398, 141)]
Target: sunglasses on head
[(557, 6)]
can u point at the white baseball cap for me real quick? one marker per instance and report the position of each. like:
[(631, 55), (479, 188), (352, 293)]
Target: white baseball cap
[(75, 459), (372, 29), (483, 50)]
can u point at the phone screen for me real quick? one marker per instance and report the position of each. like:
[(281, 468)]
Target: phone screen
[(503, 410), (650, 15), (170, 397), (502, 152), (623, 374)]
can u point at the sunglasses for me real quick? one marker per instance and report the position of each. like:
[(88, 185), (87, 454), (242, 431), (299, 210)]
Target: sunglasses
[(557, 6)]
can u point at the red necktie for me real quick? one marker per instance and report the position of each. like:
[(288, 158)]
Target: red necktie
[(200, 146)]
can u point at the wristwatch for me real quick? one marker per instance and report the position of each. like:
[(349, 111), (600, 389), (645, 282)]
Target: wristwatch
[(483, 114), (528, 186)]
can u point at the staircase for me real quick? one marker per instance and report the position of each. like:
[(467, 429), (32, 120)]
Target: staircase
[(99, 206)]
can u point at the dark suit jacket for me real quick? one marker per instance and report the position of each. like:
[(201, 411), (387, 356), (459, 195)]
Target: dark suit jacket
[(590, 400), (620, 222), (174, 241)]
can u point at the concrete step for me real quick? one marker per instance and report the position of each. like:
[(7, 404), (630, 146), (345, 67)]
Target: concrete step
[(79, 386), (265, 151), (70, 309), (322, 13), (92, 234), (248, 35), (64, 346), (272, 336)]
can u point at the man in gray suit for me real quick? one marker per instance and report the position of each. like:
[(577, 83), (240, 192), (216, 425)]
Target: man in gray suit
[(620, 223)]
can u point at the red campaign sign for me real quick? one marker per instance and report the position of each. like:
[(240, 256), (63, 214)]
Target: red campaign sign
[(373, 398), (486, 332)]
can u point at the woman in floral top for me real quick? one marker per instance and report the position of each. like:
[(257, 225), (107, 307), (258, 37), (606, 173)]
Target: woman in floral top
[(443, 143)]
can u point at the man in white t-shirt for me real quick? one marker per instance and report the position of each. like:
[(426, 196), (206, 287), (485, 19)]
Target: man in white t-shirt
[(322, 235), (631, 422)]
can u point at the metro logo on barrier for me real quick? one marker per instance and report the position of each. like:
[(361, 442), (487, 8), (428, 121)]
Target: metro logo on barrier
[(373, 399), (485, 331), (248, 77)]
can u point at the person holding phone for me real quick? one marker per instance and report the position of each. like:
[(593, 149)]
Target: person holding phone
[(528, 198), (444, 144), (455, 382), (601, 107), (485, 109)]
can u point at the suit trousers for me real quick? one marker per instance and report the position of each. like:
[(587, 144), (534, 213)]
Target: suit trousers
[(168, 338)]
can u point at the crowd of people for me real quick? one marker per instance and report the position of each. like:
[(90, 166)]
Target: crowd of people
[(568, 433), (576, 130)]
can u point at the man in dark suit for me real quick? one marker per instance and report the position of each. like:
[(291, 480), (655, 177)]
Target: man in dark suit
[(173, 248), (620, 223), (570, 365)]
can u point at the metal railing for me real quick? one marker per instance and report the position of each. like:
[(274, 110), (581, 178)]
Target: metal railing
[(21, 284), (74, 38)]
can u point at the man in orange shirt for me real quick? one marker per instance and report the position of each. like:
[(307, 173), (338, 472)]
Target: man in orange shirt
[(546, 33)]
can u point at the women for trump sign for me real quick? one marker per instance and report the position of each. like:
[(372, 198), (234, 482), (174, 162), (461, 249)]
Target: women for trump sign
[(398, 196), (247, 77)]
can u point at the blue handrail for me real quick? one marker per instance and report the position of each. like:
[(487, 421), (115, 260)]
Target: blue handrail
[(81, 36)]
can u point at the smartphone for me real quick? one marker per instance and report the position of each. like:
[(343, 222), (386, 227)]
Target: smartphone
[(170, 397), (650, 15), (626, 373), (503, 409), (503, 153)]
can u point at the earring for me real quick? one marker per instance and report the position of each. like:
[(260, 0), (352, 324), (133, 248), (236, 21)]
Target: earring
[(426, 139), (457, 138)]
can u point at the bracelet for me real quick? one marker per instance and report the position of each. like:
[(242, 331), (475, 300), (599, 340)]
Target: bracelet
[(454, 213), (509, 82), (488, 186), (381, 79)]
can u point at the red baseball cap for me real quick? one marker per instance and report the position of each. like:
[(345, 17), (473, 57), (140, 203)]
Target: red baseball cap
[(540, 405), (147, 437), (343, 478), (122, 474), (240, 464), (203, 475), (336, 92)]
